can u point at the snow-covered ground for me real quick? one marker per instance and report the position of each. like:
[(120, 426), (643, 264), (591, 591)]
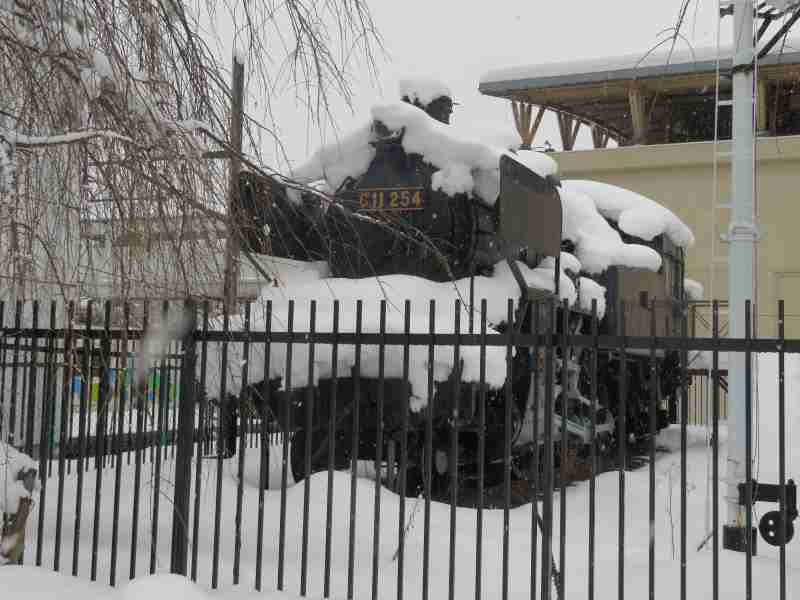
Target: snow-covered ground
[(667, 528), (34, 583)]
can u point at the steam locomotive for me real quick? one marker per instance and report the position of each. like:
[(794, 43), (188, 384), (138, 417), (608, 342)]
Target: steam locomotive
[(391, 220)]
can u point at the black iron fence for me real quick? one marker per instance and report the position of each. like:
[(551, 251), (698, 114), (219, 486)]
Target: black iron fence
[(290, 484)]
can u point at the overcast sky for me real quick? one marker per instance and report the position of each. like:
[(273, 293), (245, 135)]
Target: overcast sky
[(458, 40)]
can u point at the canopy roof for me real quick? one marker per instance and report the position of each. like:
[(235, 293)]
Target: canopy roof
[(633, 98)]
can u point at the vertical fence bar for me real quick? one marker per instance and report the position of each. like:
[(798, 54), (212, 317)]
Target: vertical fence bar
[(172, 401), (684, 424), (547, 511), (351, 543), (401, 529), (453, 453), (534, 471), (263, 472), (185, 442), (32, 372), (715, 452), (99, 441), (66, 406), (332, 415), (74, 368), (110, 412), (144, 385), (287, 428), (376, 537), (44, 432), (564, 453), (782, 451), (198, 475), (160, 439), (52, 385), (508, 399), (622, 440), (428, 461), (84, 402), (308, 406), (237, 549), (481, 456), (140, 392), (126, 320), (12, 414), (221, 450), (651, 412), (129, 384), (593, 450), (748, 465), (3, 355)]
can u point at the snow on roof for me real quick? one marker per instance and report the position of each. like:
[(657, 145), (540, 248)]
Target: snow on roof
[(640, 65), (496, 289), (598, 245), (635, 214), (423, 90), (465, 165)]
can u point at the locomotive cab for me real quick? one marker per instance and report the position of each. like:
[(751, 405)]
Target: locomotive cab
[(641, 293)]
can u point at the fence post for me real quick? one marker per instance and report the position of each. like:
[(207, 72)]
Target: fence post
[(185, 443)]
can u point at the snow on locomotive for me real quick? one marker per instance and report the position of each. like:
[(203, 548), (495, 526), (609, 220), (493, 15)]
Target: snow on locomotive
[(408, 209)]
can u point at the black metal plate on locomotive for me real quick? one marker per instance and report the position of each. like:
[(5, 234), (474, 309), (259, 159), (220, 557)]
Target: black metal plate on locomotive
[(530, 209)]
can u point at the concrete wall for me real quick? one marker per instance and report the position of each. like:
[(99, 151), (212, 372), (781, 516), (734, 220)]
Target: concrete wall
[(681, 177)]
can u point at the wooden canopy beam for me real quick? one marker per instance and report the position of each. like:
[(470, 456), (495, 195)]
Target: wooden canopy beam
[(599, 137), (762, 108), (568, 126), (639, 118), (527, 125)]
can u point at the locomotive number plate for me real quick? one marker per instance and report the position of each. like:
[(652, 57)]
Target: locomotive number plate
[(390, 199)]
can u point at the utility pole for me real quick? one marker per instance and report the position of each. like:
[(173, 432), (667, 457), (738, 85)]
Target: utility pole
[(742, 235), (233, 241)]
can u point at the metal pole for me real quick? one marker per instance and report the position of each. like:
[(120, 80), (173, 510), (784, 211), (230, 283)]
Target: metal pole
[(233, 242), (741, 236)]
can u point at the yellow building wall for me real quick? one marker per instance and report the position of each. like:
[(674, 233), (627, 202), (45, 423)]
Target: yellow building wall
[(682, 178)]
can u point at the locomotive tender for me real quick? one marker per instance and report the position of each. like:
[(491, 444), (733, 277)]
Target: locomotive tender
[(396, 218)]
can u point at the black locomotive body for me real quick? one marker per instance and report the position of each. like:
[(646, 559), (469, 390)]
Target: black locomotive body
[(390, 220)]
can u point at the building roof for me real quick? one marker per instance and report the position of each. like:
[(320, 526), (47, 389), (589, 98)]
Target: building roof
[(655, 65), (599, 91)]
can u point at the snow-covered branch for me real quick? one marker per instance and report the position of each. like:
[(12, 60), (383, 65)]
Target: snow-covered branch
[(70, 137)]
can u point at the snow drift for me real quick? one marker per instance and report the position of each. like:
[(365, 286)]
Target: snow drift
[(395, 289)]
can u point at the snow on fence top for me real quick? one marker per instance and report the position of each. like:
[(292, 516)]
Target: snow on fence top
[(395, 289), (424, 91), (465, 165)]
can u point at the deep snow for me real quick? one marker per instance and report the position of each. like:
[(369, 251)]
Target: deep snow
[(666, 530)]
